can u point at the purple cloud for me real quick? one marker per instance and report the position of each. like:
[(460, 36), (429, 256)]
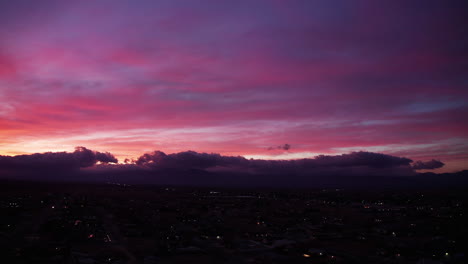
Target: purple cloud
[(427, 165), (283, 147), (80, 158), (195, 160), (212, 169)]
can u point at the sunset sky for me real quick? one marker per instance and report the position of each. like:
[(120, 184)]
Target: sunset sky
[(236, 78)]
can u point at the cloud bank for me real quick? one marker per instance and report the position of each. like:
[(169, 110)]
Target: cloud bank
[(189, 168), (195, 160), (194, 168), (39, 163)]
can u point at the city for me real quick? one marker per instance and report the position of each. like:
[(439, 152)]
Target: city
[(120, 223)]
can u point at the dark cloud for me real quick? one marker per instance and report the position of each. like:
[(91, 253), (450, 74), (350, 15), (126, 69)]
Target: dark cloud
[(427, 165), (362, 158), (283, 147), (193, 168), (54, 161), (195, 160), (188, 159)]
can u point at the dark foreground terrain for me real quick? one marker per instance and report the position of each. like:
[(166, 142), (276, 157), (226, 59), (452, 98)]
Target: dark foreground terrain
[(115, 223)]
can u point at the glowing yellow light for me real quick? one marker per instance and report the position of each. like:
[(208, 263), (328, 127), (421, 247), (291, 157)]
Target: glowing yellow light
[(306, 255)]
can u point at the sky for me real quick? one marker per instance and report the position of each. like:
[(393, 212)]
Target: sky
[(259, 79)]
